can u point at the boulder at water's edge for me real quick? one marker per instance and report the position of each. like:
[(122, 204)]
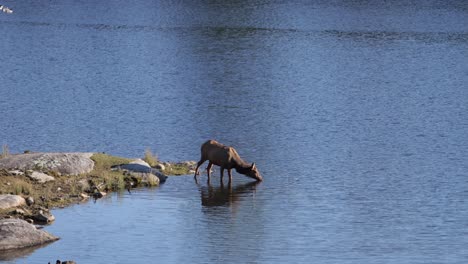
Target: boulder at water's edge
[(17, 233)]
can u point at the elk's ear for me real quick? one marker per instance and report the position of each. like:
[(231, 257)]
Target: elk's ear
[(253, 166)]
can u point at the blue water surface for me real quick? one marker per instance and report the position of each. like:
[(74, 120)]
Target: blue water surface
[(355, 112)]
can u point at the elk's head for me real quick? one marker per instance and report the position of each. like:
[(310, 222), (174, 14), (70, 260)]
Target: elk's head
[(253, 172)]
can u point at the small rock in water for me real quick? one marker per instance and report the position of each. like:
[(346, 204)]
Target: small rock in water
[(65, 262), (99, 194), (190, 164)]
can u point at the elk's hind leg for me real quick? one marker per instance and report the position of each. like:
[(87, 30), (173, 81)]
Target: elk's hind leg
[(230, 175), (221, 174), (208, 169)]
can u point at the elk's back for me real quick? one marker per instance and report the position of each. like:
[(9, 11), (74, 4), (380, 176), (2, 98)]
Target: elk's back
[(219, 154)]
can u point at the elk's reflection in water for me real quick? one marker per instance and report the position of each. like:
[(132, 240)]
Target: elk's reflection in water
[(226, 194)]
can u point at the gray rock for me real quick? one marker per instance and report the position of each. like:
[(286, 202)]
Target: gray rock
[(43, 217), (17, 233), (142, 168), (64, 163), (147, 178), (19, 211), (160, 167), (9, 201), (40, 177), (99, 194), (16, 172), (140, 162), (29, 201), (135, 166)]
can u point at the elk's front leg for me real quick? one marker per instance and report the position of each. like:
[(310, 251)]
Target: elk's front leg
[(198, 166), (230, 175)]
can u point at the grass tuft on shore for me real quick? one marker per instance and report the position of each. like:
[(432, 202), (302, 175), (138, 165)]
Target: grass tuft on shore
[(5, 151), (150, 158)]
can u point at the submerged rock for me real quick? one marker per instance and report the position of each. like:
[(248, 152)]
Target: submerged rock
[(65, 163), (17, 233), (9, 201)]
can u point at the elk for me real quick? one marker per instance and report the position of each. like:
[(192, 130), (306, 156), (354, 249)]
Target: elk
[(227, 158)]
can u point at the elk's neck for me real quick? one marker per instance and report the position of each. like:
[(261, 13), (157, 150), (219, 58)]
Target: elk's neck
[(242, 167)]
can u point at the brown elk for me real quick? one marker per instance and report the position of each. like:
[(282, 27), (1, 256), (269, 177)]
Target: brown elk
[(227, 158)]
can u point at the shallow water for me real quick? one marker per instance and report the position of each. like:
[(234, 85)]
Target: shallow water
[(354, 111)]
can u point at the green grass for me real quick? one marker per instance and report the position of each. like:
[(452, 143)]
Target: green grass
[(105, 162), (103, 176), (114, 180), (108, 180)]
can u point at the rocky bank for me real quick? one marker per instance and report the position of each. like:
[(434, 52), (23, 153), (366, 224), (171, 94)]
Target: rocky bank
[(31, 184)]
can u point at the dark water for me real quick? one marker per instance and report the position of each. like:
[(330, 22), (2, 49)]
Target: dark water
[(354, 111)]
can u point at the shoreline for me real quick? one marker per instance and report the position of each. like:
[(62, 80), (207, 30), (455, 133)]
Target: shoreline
[(44, 187)]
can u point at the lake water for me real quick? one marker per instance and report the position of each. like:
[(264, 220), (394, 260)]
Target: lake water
[(355, 112)]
